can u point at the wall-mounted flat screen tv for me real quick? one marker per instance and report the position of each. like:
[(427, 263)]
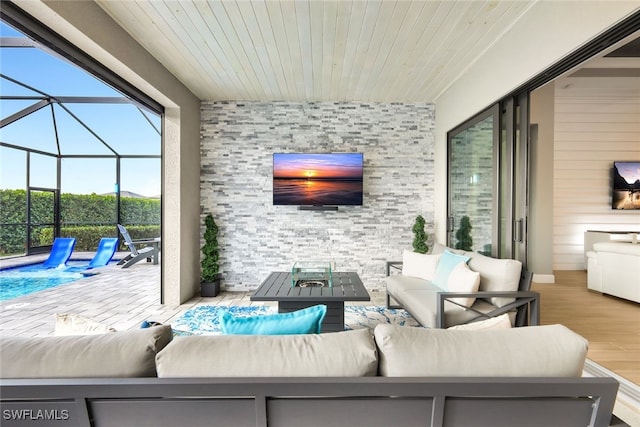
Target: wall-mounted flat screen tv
[(626, 185), (330, 179)]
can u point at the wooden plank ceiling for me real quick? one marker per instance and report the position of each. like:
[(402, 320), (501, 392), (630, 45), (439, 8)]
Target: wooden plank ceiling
[(311, 50)]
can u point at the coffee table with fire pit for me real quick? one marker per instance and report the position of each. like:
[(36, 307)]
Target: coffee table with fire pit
[(347, 286)]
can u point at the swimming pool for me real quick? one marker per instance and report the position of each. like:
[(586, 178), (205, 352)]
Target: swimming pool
[(19, 281)]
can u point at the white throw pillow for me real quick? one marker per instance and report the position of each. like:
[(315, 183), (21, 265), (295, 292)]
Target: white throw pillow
[(500, 322), (73, 324), (422, 266), (462, 279)]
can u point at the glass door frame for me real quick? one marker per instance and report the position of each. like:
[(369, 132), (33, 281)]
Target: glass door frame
[(521, 179)]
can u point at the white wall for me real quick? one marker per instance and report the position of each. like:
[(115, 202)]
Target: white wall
[(597, 121), (547, 33)]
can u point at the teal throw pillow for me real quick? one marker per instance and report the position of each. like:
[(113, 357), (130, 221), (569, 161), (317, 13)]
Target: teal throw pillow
[(447, 263), (305, 321)]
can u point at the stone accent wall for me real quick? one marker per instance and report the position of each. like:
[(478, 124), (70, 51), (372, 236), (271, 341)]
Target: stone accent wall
[(238, 140)]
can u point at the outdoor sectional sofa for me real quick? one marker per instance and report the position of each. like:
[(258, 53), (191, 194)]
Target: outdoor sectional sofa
[(393, 375), (475, 288)]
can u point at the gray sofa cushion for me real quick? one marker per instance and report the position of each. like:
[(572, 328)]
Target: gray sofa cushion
[(338, 354), (536, 351), (117, 354)]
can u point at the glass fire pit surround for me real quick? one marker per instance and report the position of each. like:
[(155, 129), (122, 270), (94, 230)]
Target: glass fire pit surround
[(307, 274)]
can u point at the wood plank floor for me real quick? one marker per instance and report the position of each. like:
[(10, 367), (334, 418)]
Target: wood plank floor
[(612, 325)]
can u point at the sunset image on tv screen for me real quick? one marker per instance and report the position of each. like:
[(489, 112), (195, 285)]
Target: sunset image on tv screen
[(317, 179)]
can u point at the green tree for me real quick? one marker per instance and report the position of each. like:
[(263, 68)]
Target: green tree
[(420, 239), (209, 263), (463, 235)]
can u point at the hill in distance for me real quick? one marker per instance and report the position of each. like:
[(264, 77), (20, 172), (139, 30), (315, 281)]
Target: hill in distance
[(130, 194)]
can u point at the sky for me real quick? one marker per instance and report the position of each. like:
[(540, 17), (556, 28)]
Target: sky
[(630, 171), (122, 127), (337, 165)]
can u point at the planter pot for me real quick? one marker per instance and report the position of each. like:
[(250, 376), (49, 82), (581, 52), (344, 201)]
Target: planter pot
[(210, 289)]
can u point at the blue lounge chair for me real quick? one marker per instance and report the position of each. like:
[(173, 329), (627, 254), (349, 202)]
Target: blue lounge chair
[(106, 249), (60, 252)]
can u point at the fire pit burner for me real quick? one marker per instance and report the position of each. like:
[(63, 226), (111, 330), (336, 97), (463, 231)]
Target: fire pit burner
[(311, 283)]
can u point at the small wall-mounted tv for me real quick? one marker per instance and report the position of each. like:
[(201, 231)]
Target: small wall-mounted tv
[(330, 179), (625, 193)]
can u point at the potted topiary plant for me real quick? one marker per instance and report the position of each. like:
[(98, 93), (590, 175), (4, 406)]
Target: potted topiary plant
[(211, 277), (463, 235), (420, 239)]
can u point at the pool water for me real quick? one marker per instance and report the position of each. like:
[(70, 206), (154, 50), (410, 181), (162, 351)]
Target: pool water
[(19, 281)]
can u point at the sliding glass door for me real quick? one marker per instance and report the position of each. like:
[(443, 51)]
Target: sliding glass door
[(473, 198), (488, 181)]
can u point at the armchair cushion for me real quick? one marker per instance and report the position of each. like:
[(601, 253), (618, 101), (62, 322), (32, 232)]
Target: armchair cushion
[(420, 298), (496, 275)]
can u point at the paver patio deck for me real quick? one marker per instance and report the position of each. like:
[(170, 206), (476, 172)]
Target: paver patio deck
[(121, 298)]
